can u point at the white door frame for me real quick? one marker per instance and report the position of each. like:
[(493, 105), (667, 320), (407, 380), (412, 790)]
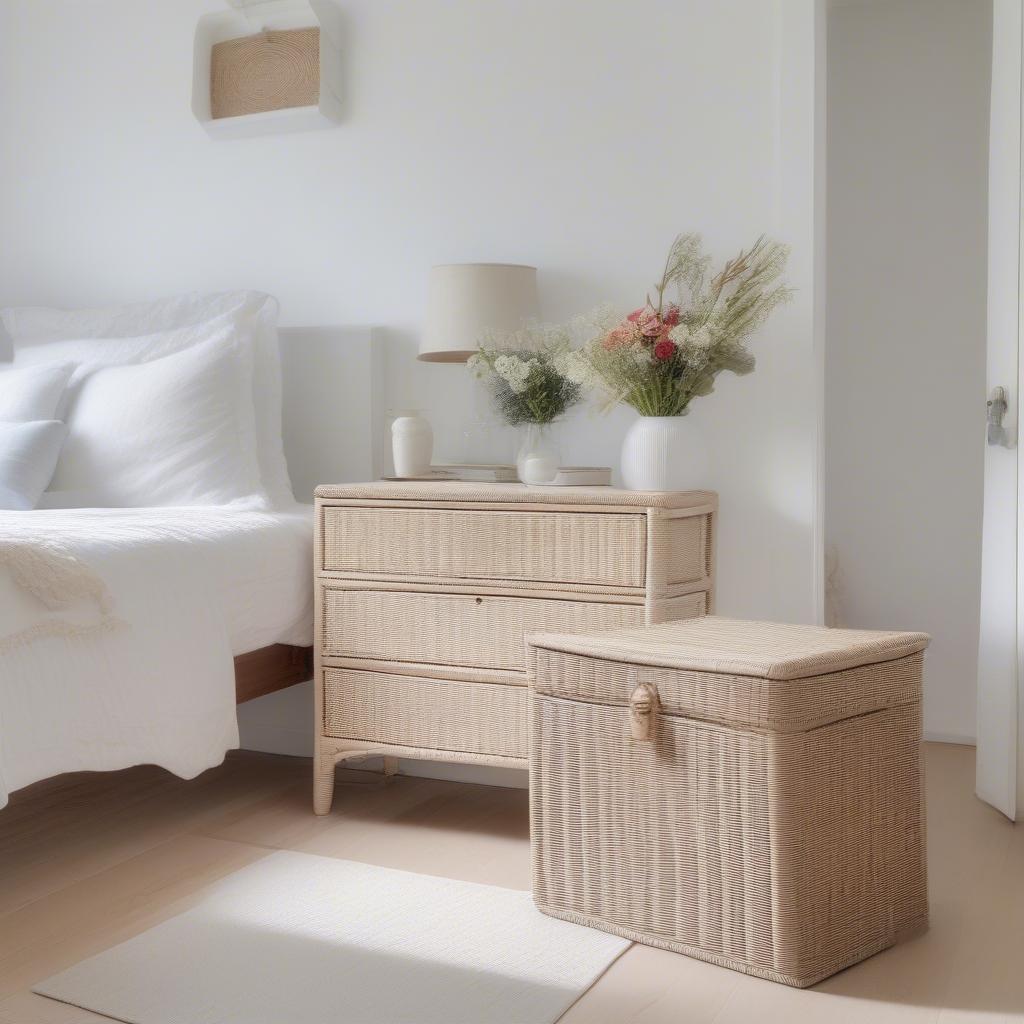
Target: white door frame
[(1000, 766)]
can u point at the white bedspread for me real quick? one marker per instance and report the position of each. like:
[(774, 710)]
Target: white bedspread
[(146, 676)]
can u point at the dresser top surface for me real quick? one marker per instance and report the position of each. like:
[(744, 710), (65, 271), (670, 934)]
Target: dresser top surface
[(465, 491)]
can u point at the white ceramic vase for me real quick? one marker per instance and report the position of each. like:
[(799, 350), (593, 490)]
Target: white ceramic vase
[(658, 455), (538, 459), (412, 445)]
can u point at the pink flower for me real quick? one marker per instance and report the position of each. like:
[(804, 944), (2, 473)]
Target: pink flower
[(671, 318), (620, 337), (665, 349), (648, 322)]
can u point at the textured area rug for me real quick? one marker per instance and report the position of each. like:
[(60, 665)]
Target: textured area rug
[(300, 939)]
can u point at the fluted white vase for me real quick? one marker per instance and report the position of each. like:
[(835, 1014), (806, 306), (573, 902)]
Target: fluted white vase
[(657, 455)]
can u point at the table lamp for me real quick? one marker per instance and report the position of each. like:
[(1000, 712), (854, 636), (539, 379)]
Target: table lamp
[(467, 299)]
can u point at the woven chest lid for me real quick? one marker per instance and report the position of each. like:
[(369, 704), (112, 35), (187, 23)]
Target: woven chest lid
[(766, 650)]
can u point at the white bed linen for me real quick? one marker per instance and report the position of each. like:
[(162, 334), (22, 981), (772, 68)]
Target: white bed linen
[(41, 335), (190, 588)]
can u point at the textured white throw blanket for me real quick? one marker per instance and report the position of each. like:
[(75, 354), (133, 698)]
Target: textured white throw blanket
[(114, 639), (45, 570)]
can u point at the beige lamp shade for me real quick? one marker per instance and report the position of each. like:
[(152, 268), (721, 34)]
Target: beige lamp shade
[(467, 299)]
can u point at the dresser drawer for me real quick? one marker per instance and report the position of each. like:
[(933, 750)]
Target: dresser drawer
[(466, 630), (477, 718), (455, 629), (543, 547)]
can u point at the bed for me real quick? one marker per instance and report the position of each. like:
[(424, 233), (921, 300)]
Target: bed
[(164, 619), (129, 634)]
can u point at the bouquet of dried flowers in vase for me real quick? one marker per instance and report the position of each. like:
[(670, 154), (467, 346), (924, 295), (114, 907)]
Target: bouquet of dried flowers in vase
[(534, 376), (665, 354)]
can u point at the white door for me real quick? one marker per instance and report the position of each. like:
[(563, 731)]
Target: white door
[(1000, 770)]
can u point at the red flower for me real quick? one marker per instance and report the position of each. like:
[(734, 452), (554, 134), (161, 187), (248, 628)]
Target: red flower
[(671, 318), (665, 349)]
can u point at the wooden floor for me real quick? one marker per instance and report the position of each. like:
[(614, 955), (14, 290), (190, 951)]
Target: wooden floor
[(89, 860)]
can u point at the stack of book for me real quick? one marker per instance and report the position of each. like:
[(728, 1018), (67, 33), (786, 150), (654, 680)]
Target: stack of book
[(472, 471), (499, 473)]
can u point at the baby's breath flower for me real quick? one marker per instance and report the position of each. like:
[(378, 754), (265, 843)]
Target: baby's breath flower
[(533, 374), (680, 335), (702, 337), (573, 367)]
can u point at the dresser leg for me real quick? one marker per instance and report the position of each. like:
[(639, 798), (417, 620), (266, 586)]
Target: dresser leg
[(323, 783), (390, 767)]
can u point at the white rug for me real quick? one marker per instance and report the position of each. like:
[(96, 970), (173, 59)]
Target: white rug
[(299, 939)]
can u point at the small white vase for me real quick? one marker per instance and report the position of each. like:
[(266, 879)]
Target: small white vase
[(412, 444), (656, 456), (538, 459)]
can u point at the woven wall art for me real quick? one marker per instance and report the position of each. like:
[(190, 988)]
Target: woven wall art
[(272, 70)]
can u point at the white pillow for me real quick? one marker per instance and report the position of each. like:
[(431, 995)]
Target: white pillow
[(31, 326), (32, 393), (28, 453), (173, 431), (87, 355)]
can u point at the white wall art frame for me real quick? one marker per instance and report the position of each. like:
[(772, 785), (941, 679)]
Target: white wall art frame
[(249, 17)]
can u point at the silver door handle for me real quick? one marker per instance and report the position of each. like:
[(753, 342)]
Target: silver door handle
[(996, 410)]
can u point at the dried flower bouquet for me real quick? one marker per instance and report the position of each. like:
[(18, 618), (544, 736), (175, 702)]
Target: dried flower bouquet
[(665, 354)]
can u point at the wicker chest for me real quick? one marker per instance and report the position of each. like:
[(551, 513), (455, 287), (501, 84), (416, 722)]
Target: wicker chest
[(747, 793), (425, 592)]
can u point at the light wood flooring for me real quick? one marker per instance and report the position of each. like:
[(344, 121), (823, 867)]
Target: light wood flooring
[(89, 860)]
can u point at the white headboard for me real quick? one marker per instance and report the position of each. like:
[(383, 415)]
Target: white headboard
[(334, 418)]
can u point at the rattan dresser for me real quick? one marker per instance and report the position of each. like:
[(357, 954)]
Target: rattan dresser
[(424, 593)]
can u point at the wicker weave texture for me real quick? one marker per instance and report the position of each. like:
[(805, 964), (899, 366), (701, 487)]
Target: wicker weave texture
[(483, 718), (270, 71), (544, 547), (425, 592), (457, 491), (794, 706), (686, 550), (788, 855), (770, 650), (454, 629)]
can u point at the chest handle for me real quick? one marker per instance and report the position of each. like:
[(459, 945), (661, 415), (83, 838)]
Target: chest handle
[(643, 709)]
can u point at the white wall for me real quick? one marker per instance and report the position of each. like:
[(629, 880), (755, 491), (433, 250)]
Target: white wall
[(908, 96), (576, 135)]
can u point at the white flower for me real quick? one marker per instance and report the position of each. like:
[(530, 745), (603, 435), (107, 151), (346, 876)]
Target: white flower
[(680, 334), (572, 366), (514, 371), (702, 338)]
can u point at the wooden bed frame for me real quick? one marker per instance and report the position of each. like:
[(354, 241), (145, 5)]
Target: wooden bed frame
[(270, 669)]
